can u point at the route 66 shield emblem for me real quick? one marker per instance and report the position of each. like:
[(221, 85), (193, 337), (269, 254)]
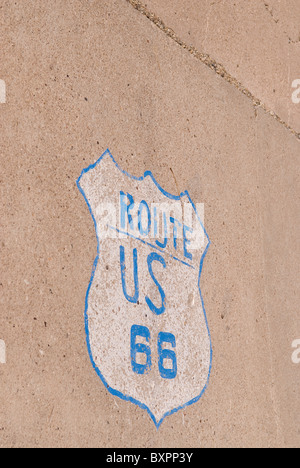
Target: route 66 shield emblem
[(147, 332)]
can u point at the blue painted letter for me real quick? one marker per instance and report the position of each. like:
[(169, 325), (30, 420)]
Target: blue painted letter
[(144, 205), (154, 257), (134, 299), (165, 243), (186, 242), (125, 208), (175, 230)]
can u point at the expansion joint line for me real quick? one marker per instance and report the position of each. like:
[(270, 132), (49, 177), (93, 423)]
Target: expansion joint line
[(209, 62)]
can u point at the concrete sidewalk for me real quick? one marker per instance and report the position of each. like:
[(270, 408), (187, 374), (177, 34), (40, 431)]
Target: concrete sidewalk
[(87, 76)]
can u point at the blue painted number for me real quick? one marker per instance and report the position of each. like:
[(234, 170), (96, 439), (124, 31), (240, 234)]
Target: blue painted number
[(136, 348), (163, 353)]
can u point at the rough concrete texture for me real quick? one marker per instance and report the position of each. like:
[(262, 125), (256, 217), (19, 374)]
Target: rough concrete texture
[(86, 76), (256, 41)]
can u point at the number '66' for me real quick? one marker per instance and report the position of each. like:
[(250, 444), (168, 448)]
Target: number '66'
[(163, 354)]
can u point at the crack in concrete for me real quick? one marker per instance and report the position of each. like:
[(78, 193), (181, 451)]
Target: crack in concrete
[(291, 41), (270, 10), (218, 68), (276, 20)]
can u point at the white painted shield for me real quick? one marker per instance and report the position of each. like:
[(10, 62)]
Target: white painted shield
[(146, 327)]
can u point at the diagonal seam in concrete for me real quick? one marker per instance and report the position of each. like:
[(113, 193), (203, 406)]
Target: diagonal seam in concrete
[(218, 68)]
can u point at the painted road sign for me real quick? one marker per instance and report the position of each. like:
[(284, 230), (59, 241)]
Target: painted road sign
[(147, 332)]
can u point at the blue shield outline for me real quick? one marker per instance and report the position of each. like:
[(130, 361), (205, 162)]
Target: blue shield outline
[(112, 391)]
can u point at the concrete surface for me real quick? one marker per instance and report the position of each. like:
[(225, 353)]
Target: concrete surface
[(94, 75), (256, 41)]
